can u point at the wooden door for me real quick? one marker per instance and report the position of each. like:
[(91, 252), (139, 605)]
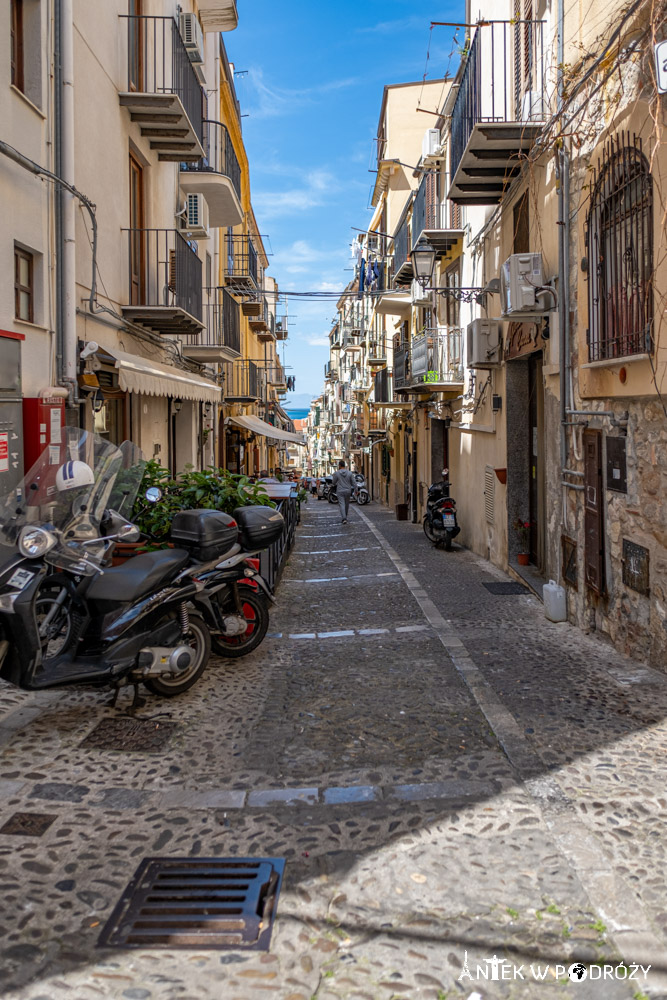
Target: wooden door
[(594, 572), (137, 234)]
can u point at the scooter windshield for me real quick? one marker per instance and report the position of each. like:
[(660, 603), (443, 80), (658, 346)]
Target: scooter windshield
[(67, 491)]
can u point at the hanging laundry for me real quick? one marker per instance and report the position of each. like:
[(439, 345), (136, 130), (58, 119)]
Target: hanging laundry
[(362, 272)]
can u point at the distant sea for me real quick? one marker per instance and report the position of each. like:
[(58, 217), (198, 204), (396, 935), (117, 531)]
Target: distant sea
[(297, 414)]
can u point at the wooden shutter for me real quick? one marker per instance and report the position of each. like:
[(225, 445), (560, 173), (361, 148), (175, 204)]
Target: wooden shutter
[(489, 494), (593, 512)]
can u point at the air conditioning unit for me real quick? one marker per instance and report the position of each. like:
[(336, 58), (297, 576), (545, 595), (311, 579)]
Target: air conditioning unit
[(418, 295), (431, 143), (533, 106), (483, 343), (193, 37), (195, 221), (522, 285)]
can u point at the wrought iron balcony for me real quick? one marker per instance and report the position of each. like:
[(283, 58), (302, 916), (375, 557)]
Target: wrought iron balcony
[(402, 264), (432, 362), (217, 175), (243, 382), (331, 371), (500, 109), (260, 322), (241, 261), (221, 337), (281, 328), (275, 376), (351, 340), (377, 350), (164, 282), (162, 91), (432, 218)]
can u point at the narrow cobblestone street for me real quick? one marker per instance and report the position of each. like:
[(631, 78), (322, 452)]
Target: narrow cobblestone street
[(449, 776)]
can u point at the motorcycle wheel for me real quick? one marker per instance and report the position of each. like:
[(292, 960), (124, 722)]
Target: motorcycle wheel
[(332, 498), (428, 531), (256, 613), (199, 639), (364, 497), (59, 629), (448, 542)]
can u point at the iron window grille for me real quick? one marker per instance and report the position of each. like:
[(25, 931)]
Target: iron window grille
[(619, 240)]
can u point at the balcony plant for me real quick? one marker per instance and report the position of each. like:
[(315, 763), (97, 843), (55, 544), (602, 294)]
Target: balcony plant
[(522, 528)]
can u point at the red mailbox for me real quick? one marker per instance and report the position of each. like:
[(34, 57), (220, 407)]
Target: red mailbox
[(43, 421)]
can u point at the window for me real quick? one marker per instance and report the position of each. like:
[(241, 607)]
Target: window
[(24, 291), (619, 240), (451, 305), (17, 43)]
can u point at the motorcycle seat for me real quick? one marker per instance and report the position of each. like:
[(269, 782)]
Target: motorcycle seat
[(138, 576)]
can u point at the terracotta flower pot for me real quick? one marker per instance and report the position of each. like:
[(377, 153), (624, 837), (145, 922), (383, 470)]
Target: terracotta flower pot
[(523, 558)]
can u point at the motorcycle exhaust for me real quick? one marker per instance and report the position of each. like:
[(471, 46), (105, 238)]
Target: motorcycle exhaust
[(154, 661)]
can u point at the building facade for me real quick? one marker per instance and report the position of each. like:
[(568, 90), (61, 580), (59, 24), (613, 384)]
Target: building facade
[(532, 361), (130, 238)]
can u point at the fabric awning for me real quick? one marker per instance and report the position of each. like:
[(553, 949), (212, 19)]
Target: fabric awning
[(258, 426), (150, 378)]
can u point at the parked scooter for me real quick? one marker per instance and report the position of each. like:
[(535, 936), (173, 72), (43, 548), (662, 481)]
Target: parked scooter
[(323, 487), (359, 494), (440, 521), (147, 621)]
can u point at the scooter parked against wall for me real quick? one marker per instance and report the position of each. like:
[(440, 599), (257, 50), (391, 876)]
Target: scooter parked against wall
[(147, 621), (440, 521)]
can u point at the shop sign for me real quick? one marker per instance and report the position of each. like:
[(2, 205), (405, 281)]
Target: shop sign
[(522, 339), (661, 66)]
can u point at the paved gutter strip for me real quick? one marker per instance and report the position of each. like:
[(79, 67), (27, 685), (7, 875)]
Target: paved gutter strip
[(122, 799), (346, 633), (337, 579), (609, 894)]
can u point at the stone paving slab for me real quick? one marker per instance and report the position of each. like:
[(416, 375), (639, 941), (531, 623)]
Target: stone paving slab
[(491, 784)]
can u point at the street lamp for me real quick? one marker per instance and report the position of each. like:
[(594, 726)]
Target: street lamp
[(423, 261)]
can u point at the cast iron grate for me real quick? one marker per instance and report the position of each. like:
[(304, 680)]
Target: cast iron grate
[(506, 587), (28, 824), (124, 733), (207, 903)]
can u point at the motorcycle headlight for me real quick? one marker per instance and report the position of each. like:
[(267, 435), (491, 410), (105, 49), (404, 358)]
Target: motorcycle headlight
[(35, 542)]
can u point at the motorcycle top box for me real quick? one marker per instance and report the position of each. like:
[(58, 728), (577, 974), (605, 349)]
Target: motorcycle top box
[(259, 527), (206, 534)]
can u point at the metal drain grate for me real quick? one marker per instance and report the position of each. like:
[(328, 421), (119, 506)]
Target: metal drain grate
[(123, 733), (207, 903), (506, 588), (28, 824)]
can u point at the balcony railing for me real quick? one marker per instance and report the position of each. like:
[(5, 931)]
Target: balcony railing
[(244, 382), (221, 337), (161, 87), (434, 218), (281, 328), (431, 362), (164, 281), (217, 176), (402, 268), (500, 108), (377, 349), (241, 260)]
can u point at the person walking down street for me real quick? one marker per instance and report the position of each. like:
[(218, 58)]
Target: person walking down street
[(343, 484)]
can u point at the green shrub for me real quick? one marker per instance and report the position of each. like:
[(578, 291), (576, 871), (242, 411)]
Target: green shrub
[(212, 489)]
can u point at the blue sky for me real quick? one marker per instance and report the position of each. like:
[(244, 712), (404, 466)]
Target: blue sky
[(312, 95)]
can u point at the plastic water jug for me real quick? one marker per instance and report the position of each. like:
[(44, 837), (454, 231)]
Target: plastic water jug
[(555, 604)]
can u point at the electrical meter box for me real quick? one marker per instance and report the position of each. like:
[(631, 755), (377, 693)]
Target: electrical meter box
[(521, 279), (43, 422)]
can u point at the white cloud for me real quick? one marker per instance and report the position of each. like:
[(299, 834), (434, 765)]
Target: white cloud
[(391, 27), (273, 101), (315, 189), (322, 341)]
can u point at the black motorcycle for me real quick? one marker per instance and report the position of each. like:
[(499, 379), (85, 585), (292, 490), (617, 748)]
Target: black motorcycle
[(440, 521), (66, 618)]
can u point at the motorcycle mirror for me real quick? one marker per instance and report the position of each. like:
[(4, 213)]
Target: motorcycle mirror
[(445, 473), (153, 494), (129, 533)]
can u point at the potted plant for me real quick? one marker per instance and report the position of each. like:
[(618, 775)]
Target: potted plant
[(523, 530)]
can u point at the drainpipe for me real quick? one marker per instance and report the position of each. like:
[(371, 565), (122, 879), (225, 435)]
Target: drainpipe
[(562, 168)]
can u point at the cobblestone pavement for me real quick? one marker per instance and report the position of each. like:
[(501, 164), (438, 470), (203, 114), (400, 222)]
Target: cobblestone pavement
[(449, 776)]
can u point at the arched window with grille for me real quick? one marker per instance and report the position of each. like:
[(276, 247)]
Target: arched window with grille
[(619, 238)]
